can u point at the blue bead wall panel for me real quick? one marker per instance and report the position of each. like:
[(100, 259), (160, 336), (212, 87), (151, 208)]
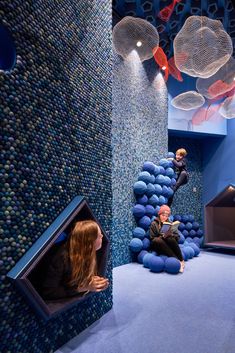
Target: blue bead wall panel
[(186, 201), (56, 115), (139, 133)]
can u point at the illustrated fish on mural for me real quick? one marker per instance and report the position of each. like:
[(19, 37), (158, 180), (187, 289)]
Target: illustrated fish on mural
[(220, 88), (173, 70), (166, 12), (209, 113), (161, 59)]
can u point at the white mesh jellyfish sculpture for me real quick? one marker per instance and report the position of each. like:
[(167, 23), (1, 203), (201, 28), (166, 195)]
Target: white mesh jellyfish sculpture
[(135, 34), (188, 100), (201, 47), (219, 83), (227, 109)]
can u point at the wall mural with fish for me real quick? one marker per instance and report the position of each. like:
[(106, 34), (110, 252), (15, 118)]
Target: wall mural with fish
[(192, 44)]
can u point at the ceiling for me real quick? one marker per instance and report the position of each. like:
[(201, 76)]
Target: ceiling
[(223, 10)]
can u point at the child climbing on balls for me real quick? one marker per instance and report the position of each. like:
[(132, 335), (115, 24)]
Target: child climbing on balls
[(180, 164)]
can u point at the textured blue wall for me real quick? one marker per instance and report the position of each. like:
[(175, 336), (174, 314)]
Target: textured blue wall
[(56, 114), (218, 163), (139, 133), (186, 201)]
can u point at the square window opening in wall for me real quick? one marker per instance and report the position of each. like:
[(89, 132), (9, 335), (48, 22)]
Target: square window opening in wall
[(28, 272), (219, 220)]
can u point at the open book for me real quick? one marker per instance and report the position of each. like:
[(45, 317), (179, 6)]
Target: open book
[(172, 226)]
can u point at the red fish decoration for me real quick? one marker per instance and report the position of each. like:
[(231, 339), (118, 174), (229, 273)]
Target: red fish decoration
[(220, 86), (166, 12), (161, 60), (173, 70), (207, 114)]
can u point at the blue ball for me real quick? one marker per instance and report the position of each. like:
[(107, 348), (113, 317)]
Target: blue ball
[(146, 243), (156, 170), (160, 179), (138, 211), (157, 209), (170, 155), (143, 200), (185, 233), (172, 265), (182, 238), (188, 226), (191, 218), (146, 177), (192, 233), (150, 211), (162, 200), (164, 190), (162, 170), (167, 181), (149, 167), (195, 248), (153, 200), (184, 218), (195, 225), (181, 227), (196, 241), (156, 264), (199, 233), (139, 233), (164, 257), (189, 239), (173, 181), (141, 256), (164, 163), (144, 222), (177, 217), (170, 172), (146, 259), (139, 187), (150, 190), (136, 245), (191, 251), (185, 254), (170, 192), (158, 189)]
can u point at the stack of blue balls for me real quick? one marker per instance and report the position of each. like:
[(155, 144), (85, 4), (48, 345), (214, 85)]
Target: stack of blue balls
[(152, 190)]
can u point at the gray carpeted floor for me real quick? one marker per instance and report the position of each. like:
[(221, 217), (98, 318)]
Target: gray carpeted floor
[(193, 312)]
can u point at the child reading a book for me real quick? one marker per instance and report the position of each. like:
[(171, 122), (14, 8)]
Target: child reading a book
[(165, 241), (181, 170)]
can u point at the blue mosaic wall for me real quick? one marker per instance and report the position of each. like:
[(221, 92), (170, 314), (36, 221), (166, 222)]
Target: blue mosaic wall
[(56, 114), (186, 201), (139, 133)]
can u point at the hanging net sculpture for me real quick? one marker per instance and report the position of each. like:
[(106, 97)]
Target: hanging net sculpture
[(135, 34), (202, 47), (188, 100), (219, 83), (227, 109)]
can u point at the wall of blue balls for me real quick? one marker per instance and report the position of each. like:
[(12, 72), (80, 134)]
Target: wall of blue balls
[(139, 133), (56, 115)]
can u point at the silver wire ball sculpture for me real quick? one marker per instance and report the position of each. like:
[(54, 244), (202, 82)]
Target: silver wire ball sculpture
[(135, 34), (227, 109), (188, 100), (202, 47)]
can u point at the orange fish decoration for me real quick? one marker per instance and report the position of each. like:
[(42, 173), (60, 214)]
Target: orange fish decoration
[(166, 12), (173, 70), (161, 60)]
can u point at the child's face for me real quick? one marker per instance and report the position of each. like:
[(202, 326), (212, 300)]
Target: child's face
[(178, 157), (164, 216)]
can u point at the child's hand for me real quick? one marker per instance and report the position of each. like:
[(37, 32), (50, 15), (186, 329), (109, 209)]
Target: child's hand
[(98, 284)]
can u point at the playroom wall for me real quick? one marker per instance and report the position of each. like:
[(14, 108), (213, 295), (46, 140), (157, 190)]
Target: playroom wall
[(139, 134), (218, 163), (56, 114)]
